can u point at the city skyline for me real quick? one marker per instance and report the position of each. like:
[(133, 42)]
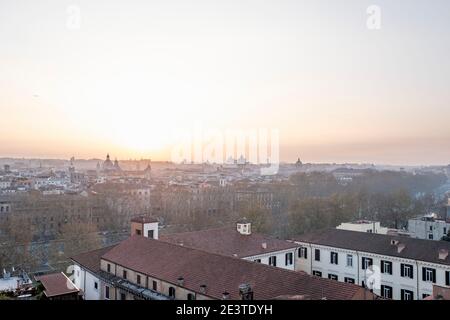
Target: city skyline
[(85, 79)]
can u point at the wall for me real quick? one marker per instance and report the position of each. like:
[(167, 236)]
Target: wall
[(280, 258), (85, 280)]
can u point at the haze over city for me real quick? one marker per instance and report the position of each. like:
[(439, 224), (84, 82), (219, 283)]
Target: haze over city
[(240, 152), (126, 75)]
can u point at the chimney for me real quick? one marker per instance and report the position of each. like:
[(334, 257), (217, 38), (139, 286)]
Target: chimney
[(246, 292), (394, 242), (264, 245), (225, 295), (443, 254), (400, 247), (145, 226), (180, 281), (244, 227), (203, 288)]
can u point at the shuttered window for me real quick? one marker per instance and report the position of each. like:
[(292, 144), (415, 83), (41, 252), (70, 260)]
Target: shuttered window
[(303, 253), (386, 267), (386, 292), (334, 258), (406, 295), (288, 259), (429, 274), (317, 255), (366, 262), (406, 271)]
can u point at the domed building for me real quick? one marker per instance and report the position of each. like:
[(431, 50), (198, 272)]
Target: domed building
[(116, 166), (109, 166)]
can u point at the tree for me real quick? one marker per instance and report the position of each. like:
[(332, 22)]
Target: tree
[(75, 238)]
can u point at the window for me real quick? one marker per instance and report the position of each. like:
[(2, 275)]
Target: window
[(96, 285), (366, 262), (386, 292), (155, 285), (429, 275), (445, 231), (108, 267), (333, 257), (288, 258), (406, 271), (447, 278), (317, 255), (150, 234), (138, 279), (273, 261), (406, 294), (257, 260), (349, 260), (124, 274), (172, 292), (106, 292), (303, 253), (190, 296), (317, 273), (431, 228), (138, 232), (123, 296), (386, 267), (430, 236), (349, 280), (332, 276)]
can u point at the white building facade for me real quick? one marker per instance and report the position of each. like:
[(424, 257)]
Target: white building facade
[(428, 227), (363, 226), (88, 282), (390, 276)]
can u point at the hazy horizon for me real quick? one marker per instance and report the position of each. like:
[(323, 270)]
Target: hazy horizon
[(132, 72)]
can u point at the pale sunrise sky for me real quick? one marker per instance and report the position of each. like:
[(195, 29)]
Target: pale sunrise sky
[(135, 71)]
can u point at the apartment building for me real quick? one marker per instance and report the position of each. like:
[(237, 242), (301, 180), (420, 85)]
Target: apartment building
[(429, 227), (396, 267)]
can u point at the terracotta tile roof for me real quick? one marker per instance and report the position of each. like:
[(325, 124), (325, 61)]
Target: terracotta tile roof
[(91, 260), (219, 273), (228, 241), (57, 284), (416, 249)]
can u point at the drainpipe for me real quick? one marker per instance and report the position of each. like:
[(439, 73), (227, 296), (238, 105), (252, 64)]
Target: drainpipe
[(357, 266), (84, 285), (417, 272)]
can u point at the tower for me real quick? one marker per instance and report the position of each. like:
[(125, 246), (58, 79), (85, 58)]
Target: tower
[(148, 172), (145, 226)]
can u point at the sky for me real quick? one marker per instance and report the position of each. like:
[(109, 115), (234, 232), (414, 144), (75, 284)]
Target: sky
[(83, 78)]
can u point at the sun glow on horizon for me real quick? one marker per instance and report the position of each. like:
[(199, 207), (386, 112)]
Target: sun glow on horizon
[(131, 75)]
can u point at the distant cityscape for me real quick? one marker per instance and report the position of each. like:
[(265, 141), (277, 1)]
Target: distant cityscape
[(207, 159), (53, 213)]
